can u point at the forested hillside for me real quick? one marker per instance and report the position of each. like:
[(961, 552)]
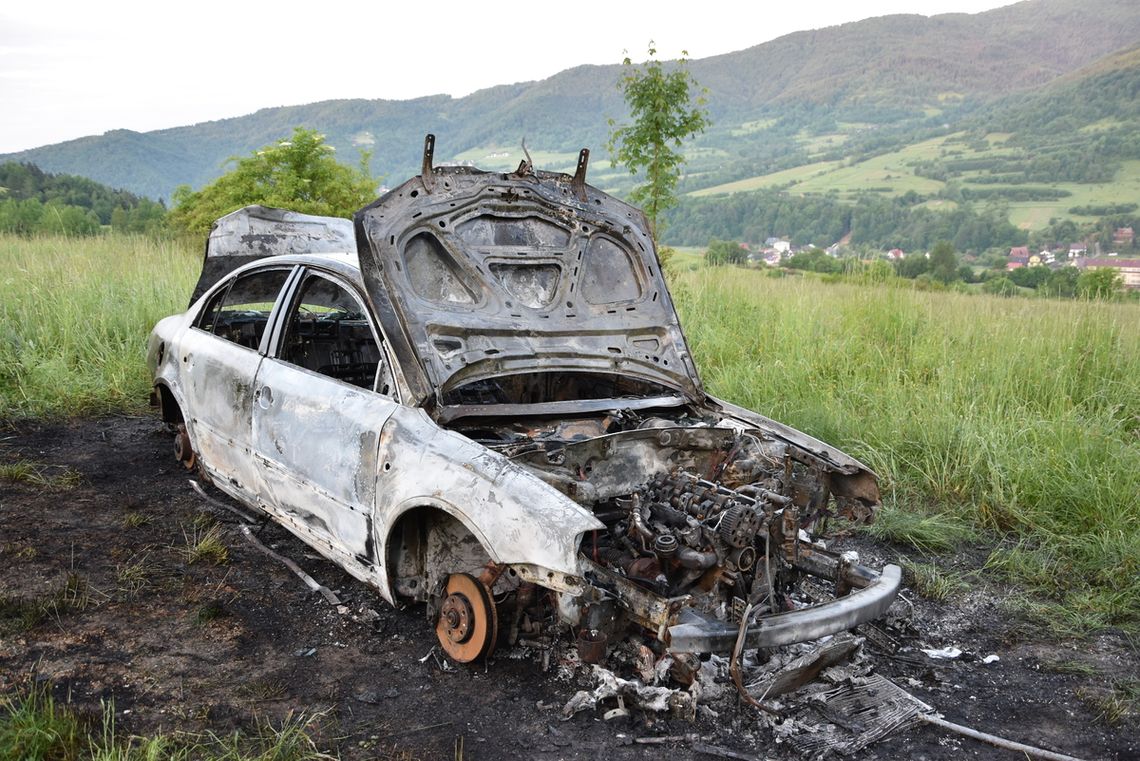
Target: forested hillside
[(32, 200), (1050, 166)]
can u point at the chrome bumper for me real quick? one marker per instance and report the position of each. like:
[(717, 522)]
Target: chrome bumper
[(697, 634)]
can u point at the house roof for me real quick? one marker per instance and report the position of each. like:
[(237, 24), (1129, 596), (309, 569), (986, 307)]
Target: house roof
[(1115, 262)]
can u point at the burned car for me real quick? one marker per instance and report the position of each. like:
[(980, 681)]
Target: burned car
[(477, 395)]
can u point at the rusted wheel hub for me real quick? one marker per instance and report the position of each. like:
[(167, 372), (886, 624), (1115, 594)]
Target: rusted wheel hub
[(468, 624), (182, 448)]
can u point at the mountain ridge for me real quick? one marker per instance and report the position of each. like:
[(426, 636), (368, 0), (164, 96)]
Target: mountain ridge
[(898, 68)]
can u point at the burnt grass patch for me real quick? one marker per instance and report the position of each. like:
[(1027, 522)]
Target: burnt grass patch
[(104, 600)]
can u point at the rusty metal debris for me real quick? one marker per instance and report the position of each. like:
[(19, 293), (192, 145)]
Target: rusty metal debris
[(468, 625), (864, 710)]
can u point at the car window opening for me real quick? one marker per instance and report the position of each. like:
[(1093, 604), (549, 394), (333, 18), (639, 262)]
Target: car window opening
[(543, 388), (327, 332), (241, 312)]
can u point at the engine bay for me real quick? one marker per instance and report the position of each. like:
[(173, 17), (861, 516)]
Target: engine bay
[(699, 509)]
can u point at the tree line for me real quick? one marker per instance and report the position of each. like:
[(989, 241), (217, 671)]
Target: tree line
[(940, 268), (871, 220), (34, 201)]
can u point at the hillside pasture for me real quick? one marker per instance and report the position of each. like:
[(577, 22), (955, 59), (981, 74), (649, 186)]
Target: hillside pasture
[(892, 171), (894, 174), (1124, 188)]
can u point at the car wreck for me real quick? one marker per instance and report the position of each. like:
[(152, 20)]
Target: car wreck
[(477, 395)]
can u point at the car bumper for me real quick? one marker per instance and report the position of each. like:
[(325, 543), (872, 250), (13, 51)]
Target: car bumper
[(695, 633)]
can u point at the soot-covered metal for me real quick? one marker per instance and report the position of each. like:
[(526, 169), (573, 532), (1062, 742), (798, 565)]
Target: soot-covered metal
[(488, 405)]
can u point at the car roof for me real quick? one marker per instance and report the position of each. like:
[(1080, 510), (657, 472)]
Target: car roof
[(344, 263)]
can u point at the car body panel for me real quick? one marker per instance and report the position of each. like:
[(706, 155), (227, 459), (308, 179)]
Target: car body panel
[(517, 518), (256, 232), (490, 274), (221, 422), (316, 442)]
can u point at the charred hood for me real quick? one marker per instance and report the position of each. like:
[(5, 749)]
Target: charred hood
[(257, 232), (486, 274)]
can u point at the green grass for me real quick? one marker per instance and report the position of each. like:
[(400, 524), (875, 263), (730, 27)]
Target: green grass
[(205, 545), (74, 317), (21, 614), (928, 532), (932, 582), (37, 474), (1116, 703), (686, 258), (35, 727), (1017, 418)]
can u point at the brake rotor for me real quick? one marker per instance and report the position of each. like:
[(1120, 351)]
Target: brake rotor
[(182, 448), (468, 624)]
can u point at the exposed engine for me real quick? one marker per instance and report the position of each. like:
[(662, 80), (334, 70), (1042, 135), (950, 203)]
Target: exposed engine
[(695, 509), (685, 535)]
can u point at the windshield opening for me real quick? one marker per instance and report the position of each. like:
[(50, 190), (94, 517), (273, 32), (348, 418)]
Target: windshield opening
[(543, 388)]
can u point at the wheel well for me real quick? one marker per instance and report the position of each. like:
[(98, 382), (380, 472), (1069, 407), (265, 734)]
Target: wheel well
[(424, 547), (168, 405)]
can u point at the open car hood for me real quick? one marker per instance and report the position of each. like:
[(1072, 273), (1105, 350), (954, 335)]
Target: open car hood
[(485, 274), (256, 232)]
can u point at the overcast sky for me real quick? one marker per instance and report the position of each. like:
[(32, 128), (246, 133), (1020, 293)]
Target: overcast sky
[(69, 69)]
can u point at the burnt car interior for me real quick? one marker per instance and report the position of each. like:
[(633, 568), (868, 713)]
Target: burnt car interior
[(328, 332), (241, 312), (689, 508)]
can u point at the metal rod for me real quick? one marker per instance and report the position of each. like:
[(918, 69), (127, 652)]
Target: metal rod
[(1000, 742)]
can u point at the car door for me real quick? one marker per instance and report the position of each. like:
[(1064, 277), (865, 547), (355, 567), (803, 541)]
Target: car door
[(321, 399), (220, 354)]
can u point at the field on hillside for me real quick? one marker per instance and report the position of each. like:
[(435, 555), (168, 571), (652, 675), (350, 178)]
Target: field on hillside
[(893, 174), (1013, 419)]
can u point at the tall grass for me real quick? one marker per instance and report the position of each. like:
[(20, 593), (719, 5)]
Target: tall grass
[(1019, 417), (35, 727), (74, 317)]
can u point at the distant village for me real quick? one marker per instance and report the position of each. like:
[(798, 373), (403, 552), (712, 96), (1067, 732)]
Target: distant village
[(776, 251), (1077, 255)]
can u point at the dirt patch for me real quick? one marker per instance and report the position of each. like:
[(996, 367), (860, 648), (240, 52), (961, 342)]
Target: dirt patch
[(104, 600)]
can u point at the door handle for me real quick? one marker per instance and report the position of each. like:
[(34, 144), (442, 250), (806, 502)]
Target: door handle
[(264, 397)]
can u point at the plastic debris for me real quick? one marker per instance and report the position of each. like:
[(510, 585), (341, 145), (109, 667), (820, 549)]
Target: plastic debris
[(946, 653)]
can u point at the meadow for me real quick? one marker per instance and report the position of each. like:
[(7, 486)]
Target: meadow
[(893, 174), (1012, 424), (1007, 424), (74, 317)]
